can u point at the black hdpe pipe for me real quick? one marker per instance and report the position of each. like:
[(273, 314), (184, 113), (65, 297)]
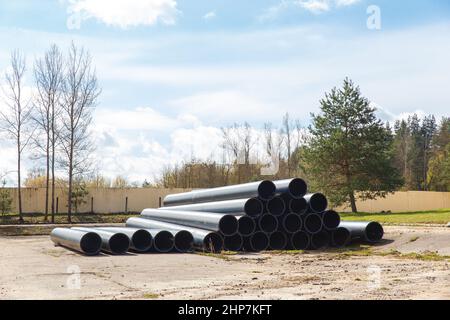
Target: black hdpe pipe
[(290, 223), (320, 240), (167, 240), (265, 190), (112, 242), (317, 202), (259, 241), (224, 223), (331, 219), (141, 240), (312, 223), (202, 239), (267, 223), (296, 187), (340, 237), (300, 241), (252, 207), (278, 240), (88, 243), (246, 225), (366, 231), (233, 243), (293, 205), (276, 206)]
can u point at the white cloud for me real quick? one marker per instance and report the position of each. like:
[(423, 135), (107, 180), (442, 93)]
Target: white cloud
[(313, 6), (125, 14), (210, 15)]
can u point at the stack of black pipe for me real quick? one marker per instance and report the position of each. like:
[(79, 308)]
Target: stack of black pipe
[(257, 216)]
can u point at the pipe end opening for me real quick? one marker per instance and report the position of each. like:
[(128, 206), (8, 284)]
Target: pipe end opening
[(91, 243), (298, 188)]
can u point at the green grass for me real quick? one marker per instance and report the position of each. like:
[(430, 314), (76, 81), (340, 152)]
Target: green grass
[(419, 217), (367, 251), (150, 296)]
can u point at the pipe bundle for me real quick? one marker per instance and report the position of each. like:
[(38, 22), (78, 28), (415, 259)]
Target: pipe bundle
[(257, 216)]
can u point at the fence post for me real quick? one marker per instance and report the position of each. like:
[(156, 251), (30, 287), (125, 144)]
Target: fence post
[(160, 202), (92, 205), (57, 205), (126, 204)]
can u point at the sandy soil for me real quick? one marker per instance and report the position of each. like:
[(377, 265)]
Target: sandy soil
[(32, 268)]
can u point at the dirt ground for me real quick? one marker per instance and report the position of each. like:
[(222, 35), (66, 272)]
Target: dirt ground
[(32, 268)]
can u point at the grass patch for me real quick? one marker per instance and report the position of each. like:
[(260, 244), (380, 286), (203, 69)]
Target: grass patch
[(367, 252), (224, 255), (150, 296), (418, 217), (289, 252), (414, 239)]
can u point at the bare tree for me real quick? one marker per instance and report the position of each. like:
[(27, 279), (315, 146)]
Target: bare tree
[(15, 120), (49, 76), (79, 98)]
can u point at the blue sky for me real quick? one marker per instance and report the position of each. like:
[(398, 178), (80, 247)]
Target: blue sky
[(174, 71)]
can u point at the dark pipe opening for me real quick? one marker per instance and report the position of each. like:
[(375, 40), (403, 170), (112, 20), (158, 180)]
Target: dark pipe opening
[(142, 240), (268, 223), (266, 190), (331, 219), (259, 241), (119, 243), (320, 240), (374, 232), (183, 241), (164, 241), (300, 240), (292, 223), (233, 243), (340, 237), (91, 243), (246, 226), (213, 242), (313, 223), (277, 241), (228, 225), (318, 202), (276, 206), (298, 206), (298, 188), (254, 207)]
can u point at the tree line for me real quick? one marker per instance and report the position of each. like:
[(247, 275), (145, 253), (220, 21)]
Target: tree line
[(51, 118), (347, 152)]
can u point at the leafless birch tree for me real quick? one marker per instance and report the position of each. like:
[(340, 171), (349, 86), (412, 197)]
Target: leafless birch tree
[(15, 119), (79, 98), (49, 77)]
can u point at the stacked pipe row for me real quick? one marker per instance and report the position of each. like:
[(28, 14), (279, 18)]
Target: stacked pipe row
[(257, 216)]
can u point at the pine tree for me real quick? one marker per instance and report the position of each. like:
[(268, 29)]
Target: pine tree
[(350, 154)]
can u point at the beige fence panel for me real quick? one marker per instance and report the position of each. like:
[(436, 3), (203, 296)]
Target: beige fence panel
[(405, 201), (98, 200), (137, 199)]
